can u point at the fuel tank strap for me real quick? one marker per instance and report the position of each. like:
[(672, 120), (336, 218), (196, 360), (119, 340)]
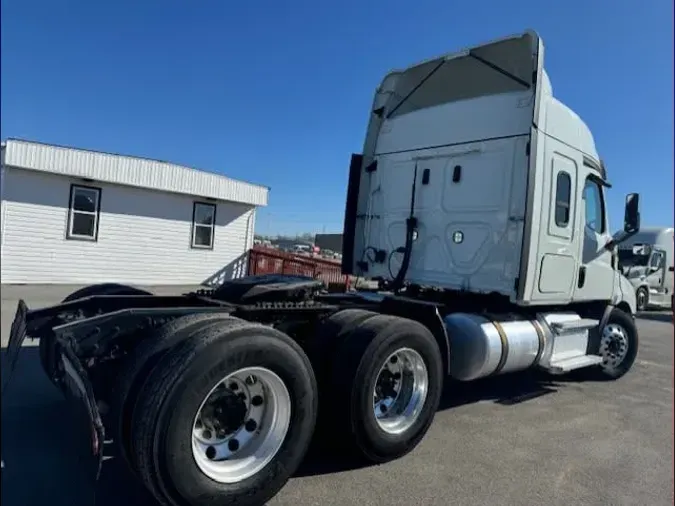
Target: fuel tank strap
[(505, 344), (542, 340)]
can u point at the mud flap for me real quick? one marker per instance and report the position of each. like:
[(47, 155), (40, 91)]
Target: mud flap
[(77, 384), (17, 335), (74, 378)]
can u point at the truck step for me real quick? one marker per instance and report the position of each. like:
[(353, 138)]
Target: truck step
[(570, 327), (570, 364)]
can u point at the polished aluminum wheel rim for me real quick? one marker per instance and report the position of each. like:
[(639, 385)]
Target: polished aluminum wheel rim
[(613, 346), (400, 391), (241, 424)]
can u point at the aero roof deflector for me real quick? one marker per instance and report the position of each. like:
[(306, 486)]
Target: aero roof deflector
[(443, 61), (503, 72), (416, 87)]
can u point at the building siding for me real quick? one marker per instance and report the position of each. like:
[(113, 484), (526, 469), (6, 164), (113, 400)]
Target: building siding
[(143, 237), (131, 171)]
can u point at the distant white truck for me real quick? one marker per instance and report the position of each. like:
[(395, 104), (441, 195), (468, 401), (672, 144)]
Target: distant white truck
[(647, 260)]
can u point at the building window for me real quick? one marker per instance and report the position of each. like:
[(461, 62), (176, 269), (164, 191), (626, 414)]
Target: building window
[(203, 225), (562, 199), (84, 212)]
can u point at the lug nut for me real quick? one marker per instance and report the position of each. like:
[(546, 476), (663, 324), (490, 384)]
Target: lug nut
[(221, 434), (234, 387), (251, 425), (206, 434), (251, 380), (257, 400), (393, 359), (210, 453), (233, 445)]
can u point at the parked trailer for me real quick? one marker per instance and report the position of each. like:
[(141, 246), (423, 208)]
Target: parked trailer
[(478, 202)]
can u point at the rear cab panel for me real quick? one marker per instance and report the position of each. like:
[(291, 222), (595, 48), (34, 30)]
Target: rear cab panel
[(460, 126)]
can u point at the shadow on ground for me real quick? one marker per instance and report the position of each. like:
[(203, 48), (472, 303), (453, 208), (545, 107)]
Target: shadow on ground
[(46, 447), (656, 317)]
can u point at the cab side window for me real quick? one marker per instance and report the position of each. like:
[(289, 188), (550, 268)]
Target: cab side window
[(595, 206), (656, 260), (562, 199)]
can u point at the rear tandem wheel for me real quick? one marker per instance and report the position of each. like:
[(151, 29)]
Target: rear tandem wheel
[(385, 387), (137, 366), (224, 417)]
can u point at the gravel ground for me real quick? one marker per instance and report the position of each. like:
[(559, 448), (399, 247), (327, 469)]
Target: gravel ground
[(507, 441)]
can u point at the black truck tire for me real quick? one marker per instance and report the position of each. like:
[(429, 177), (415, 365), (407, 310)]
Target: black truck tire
[(618, 345), (105, 289), (329, 336), (359, 367), (168, 414), (642, 299), (138, 365), (45, 347)]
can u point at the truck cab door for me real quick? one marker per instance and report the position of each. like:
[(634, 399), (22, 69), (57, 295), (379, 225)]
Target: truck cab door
[(595, 276), (655, 273), (656, 278), (669, 285)]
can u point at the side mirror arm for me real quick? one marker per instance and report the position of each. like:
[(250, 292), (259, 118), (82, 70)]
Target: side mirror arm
[(612, 243)]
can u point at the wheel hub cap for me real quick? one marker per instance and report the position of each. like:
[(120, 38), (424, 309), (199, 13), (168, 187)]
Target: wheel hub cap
[(241, 424), (613, 346), (400, 391), (225, 413)]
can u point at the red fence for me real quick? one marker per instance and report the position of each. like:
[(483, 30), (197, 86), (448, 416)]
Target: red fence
[(271, 261)]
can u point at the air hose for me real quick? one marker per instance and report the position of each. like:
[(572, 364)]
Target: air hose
[(411, 227)]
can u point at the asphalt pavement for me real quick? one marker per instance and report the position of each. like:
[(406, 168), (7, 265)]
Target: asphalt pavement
[(512, 440)]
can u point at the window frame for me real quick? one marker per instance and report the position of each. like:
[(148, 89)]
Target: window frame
[(603, 212), (72, 211), (557, 202), (661, 256), (194, 226)]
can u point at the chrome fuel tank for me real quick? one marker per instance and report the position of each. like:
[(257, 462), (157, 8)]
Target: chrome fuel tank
[(483, 346)]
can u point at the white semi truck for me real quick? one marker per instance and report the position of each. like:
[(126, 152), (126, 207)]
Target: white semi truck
[(647, 260), (478, 202)]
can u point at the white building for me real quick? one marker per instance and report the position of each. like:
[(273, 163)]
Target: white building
[(71, 216)]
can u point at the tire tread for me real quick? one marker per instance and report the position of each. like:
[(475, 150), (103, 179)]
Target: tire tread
[(141, 360)]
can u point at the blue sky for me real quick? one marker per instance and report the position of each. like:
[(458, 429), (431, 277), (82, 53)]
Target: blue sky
[(279, 92)]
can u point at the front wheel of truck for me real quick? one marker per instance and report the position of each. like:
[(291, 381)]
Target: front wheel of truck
[(641, 299), (618, 345), (225, 417), (387, 379)]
